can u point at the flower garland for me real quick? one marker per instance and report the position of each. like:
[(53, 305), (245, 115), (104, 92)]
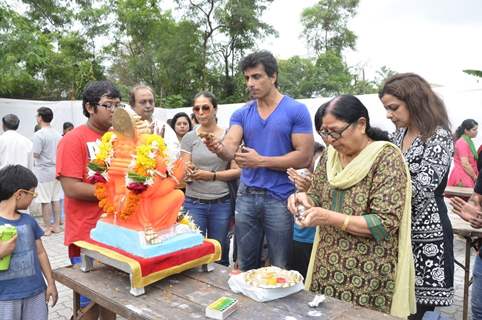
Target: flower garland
[(140, 174), (97, 168), (142, 170)]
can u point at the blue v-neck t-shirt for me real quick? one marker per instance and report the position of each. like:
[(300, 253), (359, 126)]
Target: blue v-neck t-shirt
[(271, 137)]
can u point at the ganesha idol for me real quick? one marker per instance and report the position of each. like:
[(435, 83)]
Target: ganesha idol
[(135, 182)]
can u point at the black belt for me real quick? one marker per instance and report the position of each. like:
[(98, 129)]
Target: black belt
[(211, 200), (256, 190)]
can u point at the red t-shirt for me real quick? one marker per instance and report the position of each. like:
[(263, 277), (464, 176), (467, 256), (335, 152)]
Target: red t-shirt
[(73, 154)]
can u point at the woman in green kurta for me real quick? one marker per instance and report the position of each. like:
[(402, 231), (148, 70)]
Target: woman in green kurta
[(360, 201)]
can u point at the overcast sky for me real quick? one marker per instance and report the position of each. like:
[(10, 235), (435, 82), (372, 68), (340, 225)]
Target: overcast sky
[(435, 38)]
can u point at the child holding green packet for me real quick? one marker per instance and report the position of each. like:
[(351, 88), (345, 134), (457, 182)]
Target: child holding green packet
[(23, 291)]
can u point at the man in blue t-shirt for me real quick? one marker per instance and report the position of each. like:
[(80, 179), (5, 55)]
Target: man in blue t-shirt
[(277, 134)]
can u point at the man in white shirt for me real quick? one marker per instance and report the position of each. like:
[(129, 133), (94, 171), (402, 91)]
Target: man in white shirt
[(142, 102), (45, 143), (14, 147)]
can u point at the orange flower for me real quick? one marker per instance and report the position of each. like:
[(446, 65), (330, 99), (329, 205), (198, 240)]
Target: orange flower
[(130, 205)]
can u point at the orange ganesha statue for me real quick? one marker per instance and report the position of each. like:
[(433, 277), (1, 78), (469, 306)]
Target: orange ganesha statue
[(135, 181)]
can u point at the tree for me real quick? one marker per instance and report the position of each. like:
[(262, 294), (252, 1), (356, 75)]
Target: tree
[(229, 28), (296, 77), (325, 25), (41, 56), (476, 73), (151, 47), (327, 75)]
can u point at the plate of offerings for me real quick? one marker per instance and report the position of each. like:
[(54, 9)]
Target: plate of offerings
[(272, 277)]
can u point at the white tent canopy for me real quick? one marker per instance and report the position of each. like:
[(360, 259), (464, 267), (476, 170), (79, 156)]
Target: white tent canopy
[(461, 104)]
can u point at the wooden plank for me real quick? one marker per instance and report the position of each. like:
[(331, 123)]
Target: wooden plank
[(451, 191), (110, 288), (462, 228), (297, 303), (186, 295)]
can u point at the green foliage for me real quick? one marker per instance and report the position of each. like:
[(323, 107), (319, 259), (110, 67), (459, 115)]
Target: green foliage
[(152, 48), (50, 49), (39, 58), (229, 28), (325, 25), (327, 75), (477, 73)]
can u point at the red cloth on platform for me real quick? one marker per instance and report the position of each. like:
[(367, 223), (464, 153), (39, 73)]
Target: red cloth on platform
[(151, 265)]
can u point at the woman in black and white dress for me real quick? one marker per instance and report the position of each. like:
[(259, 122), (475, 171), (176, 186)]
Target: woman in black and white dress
[(423, 134)]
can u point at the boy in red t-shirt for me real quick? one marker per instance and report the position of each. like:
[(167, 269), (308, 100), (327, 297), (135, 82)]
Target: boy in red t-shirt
[(74, 152)]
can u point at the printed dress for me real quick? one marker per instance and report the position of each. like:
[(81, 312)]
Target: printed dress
[(432, 236), (358, 269)]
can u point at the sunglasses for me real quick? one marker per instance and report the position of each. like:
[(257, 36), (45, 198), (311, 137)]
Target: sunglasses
[(204, 108), (34, 194)]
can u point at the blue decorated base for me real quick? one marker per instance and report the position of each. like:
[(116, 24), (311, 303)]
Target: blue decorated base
[(133, 242)]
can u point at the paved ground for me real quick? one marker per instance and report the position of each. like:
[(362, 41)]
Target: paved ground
[(63, 310)]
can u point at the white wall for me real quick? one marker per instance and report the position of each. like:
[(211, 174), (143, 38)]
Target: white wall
[(461, 104)]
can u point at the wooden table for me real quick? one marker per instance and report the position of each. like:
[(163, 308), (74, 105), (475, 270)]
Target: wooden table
[(186, 295), (471, 236), (458, 191)]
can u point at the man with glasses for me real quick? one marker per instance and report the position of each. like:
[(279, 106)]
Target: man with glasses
[(76, 149), (277, 134), (141, 99), (143, 103)]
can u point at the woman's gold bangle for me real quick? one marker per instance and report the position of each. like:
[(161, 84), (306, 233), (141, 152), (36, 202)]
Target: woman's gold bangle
[(345, 223)]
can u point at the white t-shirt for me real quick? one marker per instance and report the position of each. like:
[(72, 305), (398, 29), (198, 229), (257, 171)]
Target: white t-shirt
[(15, 149)]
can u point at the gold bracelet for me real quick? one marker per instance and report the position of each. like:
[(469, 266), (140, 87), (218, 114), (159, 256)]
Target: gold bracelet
[(345, 223)]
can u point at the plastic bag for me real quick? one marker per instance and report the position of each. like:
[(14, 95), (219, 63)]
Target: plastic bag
[(239, 285)]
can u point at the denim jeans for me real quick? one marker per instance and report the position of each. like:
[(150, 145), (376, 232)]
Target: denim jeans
[(477, 290), (213, 220), (257, 214)]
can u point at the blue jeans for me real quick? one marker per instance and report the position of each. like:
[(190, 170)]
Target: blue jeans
[(257, 214), (213, 220), (477, 290)]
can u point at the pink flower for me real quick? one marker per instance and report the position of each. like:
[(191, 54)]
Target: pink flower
[(97, 177), (136, 187)]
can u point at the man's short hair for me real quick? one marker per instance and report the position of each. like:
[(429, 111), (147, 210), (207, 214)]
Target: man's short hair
[(46, 114), (13, 178), (264, 58), (132, 93), (94, 91), (10, 122), (67, 125)]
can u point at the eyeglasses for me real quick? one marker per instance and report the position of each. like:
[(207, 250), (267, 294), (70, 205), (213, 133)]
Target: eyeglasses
[(110, 106), (335, 135), (34, 194), (204, 108)]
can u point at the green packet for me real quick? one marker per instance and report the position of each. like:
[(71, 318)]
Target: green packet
[(7, 232), (221, 308)]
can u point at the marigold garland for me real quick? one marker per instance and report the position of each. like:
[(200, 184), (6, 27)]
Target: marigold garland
[(140, 174)]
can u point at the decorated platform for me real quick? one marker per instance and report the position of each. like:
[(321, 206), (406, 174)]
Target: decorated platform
[(145, 271)]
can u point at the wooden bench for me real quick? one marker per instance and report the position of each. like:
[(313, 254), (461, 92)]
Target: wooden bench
[(186, 295)]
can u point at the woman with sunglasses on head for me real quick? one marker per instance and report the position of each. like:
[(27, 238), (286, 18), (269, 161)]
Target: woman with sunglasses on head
[(423, 135), (465, 171), (207, 196), (360, 202)]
